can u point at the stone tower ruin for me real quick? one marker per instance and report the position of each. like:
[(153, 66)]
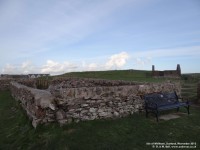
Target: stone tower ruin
[(178, 69)]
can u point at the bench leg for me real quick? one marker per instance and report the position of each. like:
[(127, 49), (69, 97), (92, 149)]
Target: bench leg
[(157, 115), (188, 107), (147, 113), (177, 109)]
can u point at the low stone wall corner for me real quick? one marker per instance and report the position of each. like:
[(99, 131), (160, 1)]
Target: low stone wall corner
[(38, 104)]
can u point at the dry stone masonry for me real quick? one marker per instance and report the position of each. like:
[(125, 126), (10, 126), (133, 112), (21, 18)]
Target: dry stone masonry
[(38, 104), (74, 99), (4, 84)]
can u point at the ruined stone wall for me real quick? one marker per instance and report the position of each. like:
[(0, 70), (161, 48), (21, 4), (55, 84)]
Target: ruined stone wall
[(85, 99), (166, 73), (171, 73)]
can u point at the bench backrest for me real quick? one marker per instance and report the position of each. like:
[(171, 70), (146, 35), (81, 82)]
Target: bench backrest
[(161, 98)]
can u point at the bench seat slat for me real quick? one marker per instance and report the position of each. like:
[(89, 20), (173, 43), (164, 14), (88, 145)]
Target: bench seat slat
[(166, 107)]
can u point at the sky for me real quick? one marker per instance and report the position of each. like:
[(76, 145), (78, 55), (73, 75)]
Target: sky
[(62, 36)]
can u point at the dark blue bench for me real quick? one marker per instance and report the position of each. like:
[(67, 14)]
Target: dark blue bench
[(156, 102)]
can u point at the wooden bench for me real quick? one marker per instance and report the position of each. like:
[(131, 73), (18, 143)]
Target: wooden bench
[(156, 102)]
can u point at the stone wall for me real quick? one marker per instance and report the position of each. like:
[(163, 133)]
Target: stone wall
[(85, 99), (88, 82), (28, 82), (38, 104), (4, 84)]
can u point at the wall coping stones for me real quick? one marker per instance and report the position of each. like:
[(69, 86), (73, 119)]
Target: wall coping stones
[(89, 82), (43, 98)]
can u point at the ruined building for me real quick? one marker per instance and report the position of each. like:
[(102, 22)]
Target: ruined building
[(167, 73)]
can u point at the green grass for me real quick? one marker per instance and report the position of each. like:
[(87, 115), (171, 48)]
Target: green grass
[(127, 133), (189, 88), (127, 75)]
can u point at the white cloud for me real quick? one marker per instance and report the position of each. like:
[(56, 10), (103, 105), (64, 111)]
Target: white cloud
[(53, 67), (92, 67), (139, 60), (117, 60), (10, 69), (25, 68)]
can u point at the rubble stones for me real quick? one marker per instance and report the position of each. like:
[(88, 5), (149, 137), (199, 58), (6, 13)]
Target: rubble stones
[(60, 115), (5, 84)]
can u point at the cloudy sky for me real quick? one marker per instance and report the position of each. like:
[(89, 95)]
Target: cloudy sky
[(58, 36)]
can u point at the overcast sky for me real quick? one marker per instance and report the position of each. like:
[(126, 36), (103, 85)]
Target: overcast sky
[(58, 36)]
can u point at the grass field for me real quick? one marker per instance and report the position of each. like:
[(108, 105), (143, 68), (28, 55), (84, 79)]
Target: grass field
[(129, 133), (127, 75), (189, 90), (189, 86)]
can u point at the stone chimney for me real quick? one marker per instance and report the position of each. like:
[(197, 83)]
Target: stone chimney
[(178, 69), (153, 68)]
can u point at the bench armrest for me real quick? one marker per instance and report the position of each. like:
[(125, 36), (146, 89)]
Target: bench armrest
[(187, 102), (183, 100), (180, 99)]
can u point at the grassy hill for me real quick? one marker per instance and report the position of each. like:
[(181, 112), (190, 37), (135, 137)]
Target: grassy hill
[(127, 75)]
